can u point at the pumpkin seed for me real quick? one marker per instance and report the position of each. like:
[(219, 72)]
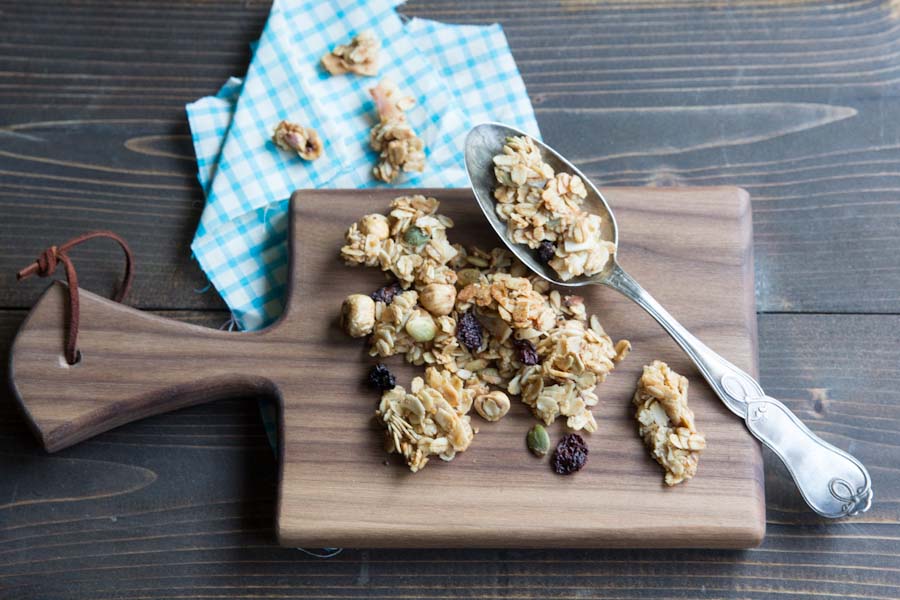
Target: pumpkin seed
[(538, 440), (415, 236)]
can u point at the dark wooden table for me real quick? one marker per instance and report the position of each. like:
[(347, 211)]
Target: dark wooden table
[(797, 102)]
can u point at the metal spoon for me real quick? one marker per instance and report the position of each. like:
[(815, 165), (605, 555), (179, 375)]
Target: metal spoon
[(833, 483)]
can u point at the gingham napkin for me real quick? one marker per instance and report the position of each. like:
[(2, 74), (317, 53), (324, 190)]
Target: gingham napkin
[(459, 75)]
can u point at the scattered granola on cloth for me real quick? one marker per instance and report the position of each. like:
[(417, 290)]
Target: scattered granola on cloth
[(480, 323), (666, 423), (399, 146), (360, 56), (304, 141), (543, 210)]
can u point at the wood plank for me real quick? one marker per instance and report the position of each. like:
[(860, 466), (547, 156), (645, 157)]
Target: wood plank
[(691, 247), (790, 100), (203, 527), (211, 535)]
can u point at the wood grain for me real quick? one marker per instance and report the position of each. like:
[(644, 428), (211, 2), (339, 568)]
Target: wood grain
[(692, 246), (205, 527), (91, 76), (790, 100)]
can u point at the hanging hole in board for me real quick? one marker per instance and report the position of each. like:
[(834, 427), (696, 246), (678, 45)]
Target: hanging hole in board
[(65, 363)]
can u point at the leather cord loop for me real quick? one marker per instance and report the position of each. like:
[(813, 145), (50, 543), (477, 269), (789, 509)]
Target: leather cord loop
[(45, 265)]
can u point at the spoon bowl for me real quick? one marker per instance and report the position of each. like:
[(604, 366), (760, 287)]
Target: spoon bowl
[(486, 141), (833, 483)]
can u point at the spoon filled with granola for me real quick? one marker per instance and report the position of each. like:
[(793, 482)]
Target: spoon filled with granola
[(560, 226)]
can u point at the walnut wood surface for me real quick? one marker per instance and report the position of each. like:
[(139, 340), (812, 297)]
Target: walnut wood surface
[(181, 505), (691, 246)]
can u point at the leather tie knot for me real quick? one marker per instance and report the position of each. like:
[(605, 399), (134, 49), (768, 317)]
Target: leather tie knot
[(47, 261), (46, 264)]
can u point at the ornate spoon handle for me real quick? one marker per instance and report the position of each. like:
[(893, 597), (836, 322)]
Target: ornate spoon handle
[(833, 483)]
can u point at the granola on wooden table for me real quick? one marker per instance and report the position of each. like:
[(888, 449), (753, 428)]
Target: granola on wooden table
[(543, 210), (666, 423), (481, 324)]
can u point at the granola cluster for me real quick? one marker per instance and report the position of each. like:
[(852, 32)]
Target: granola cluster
[(543, 210), (304, 141), (483, 327), (399, 148), (665, 422), (410, 242), (360, 56), (431, 419)]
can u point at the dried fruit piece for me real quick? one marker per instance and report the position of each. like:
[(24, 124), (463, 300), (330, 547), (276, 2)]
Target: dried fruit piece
[(469, 331), (570, 455), (538, 440), (380, 378), (415, 236), (386, 294), (546, 251), (526, 352), (304, 141), (360, 56)]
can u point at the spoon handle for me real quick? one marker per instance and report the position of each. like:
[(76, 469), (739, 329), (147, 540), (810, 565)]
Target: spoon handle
[(833, 483)]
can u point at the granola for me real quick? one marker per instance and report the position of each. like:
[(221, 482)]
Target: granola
[(666, 423), (380, 241), (428, 420), (360, 56), (543, 210), (478, 322), (304, 141), (399, 148)]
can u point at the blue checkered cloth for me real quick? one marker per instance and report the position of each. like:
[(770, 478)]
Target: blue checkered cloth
[(459, 76)]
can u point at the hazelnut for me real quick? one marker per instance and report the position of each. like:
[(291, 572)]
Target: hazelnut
[(421, 327), (438, 298), (358, 315), (492, 406), (375, 225)]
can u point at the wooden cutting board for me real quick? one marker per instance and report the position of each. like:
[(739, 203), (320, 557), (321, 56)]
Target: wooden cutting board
[(692, 248)]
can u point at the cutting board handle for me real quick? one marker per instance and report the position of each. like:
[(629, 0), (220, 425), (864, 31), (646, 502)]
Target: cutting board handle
[(133, 364)]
